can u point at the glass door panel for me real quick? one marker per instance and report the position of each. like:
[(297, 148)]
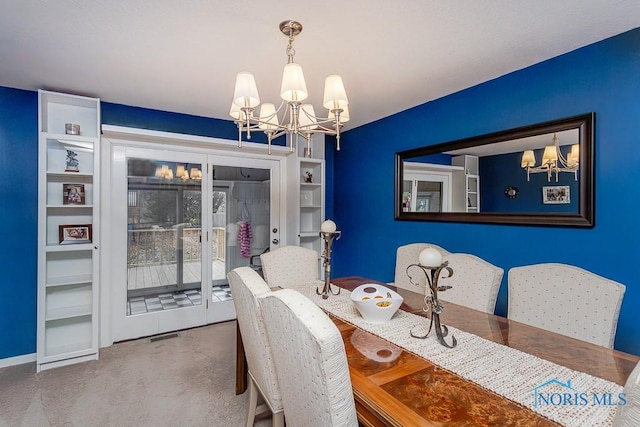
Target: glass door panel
[(426, 192), (164, 236), (241, 220)]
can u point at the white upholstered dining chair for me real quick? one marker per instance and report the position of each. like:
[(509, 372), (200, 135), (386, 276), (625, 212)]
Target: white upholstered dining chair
[(407, 255), (311, 362), (475, 282), (628, 415), (289, 266), (567, 300), (246, 286)]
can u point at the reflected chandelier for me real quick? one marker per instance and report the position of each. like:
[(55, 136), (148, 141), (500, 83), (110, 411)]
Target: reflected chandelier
[(553, 161), (296, 118)]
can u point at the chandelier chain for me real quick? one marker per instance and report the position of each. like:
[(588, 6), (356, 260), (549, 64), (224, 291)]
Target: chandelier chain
[(291, 52)]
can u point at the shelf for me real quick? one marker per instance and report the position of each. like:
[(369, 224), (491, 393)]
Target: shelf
[(70, 351), (310, 234), (310, 206), (310, 162), (77, 247), (69, 280), (68, 312), (72, 142), (71, 207), (310, 184), (70, 175)]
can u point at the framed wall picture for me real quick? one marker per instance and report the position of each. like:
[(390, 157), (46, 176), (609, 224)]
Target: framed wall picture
[(75, 233), (73, 194), (556, 195)]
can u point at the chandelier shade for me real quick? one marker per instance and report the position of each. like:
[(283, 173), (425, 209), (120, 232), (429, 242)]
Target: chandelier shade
[(528, 159), (344, 115), (306, 118), (268, 117), (574, 156), (245, 94), (293, 87), (291, 118), (550, 156), (335, 97), (236, 112)]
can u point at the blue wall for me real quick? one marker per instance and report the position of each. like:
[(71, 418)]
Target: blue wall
[(604, 78), (19, 220)]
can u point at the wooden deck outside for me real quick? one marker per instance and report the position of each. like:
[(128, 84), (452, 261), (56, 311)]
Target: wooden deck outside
[(152, 276), (152, 256)]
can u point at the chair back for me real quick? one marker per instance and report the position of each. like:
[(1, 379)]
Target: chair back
[(311, 362), (407, 255), (475, 282), (246, 286), (628, 415), (567, 300), (289, 266)]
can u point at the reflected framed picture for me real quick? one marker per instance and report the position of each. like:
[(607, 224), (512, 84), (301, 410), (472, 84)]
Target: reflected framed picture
[(556, 195), (73, 194), (75, 233)]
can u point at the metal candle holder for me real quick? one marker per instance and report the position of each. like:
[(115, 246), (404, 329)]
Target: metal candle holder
[(328, 237), (431, 301)]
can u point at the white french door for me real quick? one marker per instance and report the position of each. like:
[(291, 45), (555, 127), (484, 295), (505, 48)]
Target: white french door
[(175, 233)]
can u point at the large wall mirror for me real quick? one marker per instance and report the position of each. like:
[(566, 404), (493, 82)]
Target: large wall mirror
[(540, 174)]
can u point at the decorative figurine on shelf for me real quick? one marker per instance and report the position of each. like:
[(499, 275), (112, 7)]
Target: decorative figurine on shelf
[(329, 234), (72, 162), (430, 262), (308, 177)]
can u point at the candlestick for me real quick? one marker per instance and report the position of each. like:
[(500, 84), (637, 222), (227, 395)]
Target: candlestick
[(329, 234), (432, 274)]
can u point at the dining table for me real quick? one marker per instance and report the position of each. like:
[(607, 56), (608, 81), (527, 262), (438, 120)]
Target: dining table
[(396, 387)]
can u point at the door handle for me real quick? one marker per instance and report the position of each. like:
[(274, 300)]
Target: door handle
[(275, 241)]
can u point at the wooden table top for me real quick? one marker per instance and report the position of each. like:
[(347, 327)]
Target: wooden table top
[(411, 391), (393, 387)]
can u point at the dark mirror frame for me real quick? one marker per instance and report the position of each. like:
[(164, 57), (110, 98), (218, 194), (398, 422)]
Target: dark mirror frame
[(585, 217)]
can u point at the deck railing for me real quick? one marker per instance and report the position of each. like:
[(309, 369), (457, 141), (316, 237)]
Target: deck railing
[(160, 246)]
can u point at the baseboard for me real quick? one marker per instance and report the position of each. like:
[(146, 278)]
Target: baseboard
[(17, 360)]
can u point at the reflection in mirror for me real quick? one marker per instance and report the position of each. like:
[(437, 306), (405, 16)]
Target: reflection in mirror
[(539, 174)]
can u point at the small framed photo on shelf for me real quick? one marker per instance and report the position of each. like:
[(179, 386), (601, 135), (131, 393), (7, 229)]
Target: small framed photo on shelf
[(556, 195), (75, 233), (73, 194)]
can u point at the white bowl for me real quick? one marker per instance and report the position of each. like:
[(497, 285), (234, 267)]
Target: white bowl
[(376, 303)]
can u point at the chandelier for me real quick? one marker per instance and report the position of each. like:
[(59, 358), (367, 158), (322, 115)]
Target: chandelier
[(292, 117), (553, 161), (182, 172)]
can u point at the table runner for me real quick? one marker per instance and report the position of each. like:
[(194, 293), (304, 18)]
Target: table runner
[(509, 372)]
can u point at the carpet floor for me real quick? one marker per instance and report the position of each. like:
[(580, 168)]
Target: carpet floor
[(188, 380)]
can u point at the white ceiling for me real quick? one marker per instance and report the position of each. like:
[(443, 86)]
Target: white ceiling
[(183, 56)]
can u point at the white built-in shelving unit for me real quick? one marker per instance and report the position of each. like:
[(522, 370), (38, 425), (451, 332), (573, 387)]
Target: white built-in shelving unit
[(67, 273), (306, 201), (466, 184)]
